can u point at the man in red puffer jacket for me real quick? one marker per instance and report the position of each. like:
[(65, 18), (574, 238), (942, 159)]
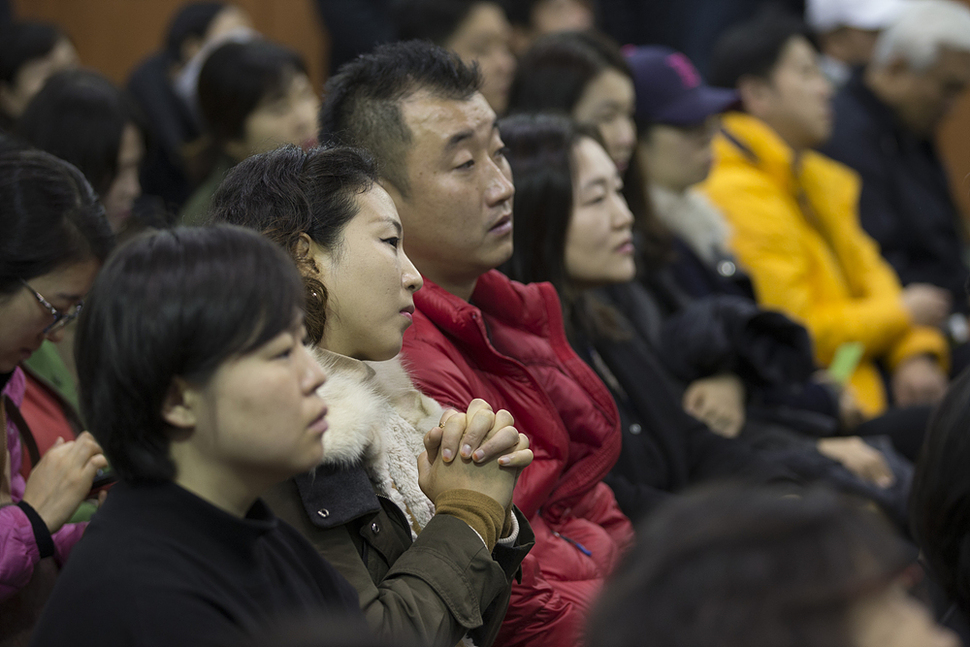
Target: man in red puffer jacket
[(419, 111)]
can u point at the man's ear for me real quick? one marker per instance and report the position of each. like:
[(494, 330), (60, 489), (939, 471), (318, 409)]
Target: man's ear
[(179, 408), (754, 92)]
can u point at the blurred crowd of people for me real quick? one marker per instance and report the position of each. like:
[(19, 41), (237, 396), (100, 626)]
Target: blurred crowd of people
[(550, 322)]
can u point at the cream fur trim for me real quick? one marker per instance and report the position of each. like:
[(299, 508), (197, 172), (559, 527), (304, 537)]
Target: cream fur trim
[(695, 219), (377, 418)]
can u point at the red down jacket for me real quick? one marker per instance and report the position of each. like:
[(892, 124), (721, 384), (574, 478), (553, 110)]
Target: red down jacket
[(510, 349)]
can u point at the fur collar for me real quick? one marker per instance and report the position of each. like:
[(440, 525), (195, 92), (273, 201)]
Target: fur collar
[(377, 420), (692, 217)]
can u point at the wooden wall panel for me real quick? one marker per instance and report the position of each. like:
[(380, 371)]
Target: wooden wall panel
[(114, 35)]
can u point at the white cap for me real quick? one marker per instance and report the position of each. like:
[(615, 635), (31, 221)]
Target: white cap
[(827, 15)]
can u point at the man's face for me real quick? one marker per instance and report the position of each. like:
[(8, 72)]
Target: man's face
[(796, 99), (457, 215), (923, 99)]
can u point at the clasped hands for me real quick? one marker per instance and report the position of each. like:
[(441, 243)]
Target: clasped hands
[(477, 450)]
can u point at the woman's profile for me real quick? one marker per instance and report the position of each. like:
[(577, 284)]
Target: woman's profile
[(196, 381)]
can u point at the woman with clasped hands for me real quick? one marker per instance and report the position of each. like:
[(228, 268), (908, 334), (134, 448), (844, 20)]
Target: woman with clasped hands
[(420, 522)]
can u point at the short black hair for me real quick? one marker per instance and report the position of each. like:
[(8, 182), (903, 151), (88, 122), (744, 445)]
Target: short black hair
[(554, 73), (940, 496), (50, 217), (173, 303), (522, 12), (741, 567), (22, 42), (753, 47), (80, 116), (539, 150), (432, 20), (285, 193), (362, 102), (237, 77), (192, 20)]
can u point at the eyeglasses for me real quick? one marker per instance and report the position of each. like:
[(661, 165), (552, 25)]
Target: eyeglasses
[(61, 319)]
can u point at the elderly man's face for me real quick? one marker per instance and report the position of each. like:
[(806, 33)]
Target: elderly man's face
[(924, 98)]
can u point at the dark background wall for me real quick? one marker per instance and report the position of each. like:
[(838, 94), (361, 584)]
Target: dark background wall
[(114, 35)]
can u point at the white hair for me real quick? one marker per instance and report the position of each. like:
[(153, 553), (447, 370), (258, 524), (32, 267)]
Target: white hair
[(921, 31)]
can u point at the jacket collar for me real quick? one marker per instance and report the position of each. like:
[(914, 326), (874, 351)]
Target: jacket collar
[(531, 309), (333, 496), (495, 293), (374, 415), (352, 409), (693, 219), (748, 140), (339, 490), (522, 306)]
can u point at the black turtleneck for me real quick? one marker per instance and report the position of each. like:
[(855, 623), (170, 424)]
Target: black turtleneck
[(160, 566)]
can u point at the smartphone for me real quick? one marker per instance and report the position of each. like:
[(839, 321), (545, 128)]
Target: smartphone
[(103, 478)]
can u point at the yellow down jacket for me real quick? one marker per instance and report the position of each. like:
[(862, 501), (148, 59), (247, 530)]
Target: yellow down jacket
[(797, 232)]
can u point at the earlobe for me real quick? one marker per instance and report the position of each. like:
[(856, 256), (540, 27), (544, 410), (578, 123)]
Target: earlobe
[(178, 408)]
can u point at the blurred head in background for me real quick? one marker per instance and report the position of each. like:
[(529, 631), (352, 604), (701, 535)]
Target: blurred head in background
[(256, 96), (532, 19), (737, 567), (477, 30), (82, 117), (30, 52)]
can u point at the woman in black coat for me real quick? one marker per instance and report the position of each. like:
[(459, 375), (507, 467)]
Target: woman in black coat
[(573, 228)]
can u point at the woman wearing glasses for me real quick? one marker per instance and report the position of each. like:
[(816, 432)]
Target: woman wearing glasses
[(55, 238)]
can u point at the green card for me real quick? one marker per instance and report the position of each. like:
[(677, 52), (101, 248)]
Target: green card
[(845, 361)]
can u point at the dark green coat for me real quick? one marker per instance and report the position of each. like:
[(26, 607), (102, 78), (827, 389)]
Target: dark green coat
[(433, 590)]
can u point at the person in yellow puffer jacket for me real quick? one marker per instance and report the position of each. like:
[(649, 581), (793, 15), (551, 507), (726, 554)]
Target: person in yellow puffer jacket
[(794, 213)]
